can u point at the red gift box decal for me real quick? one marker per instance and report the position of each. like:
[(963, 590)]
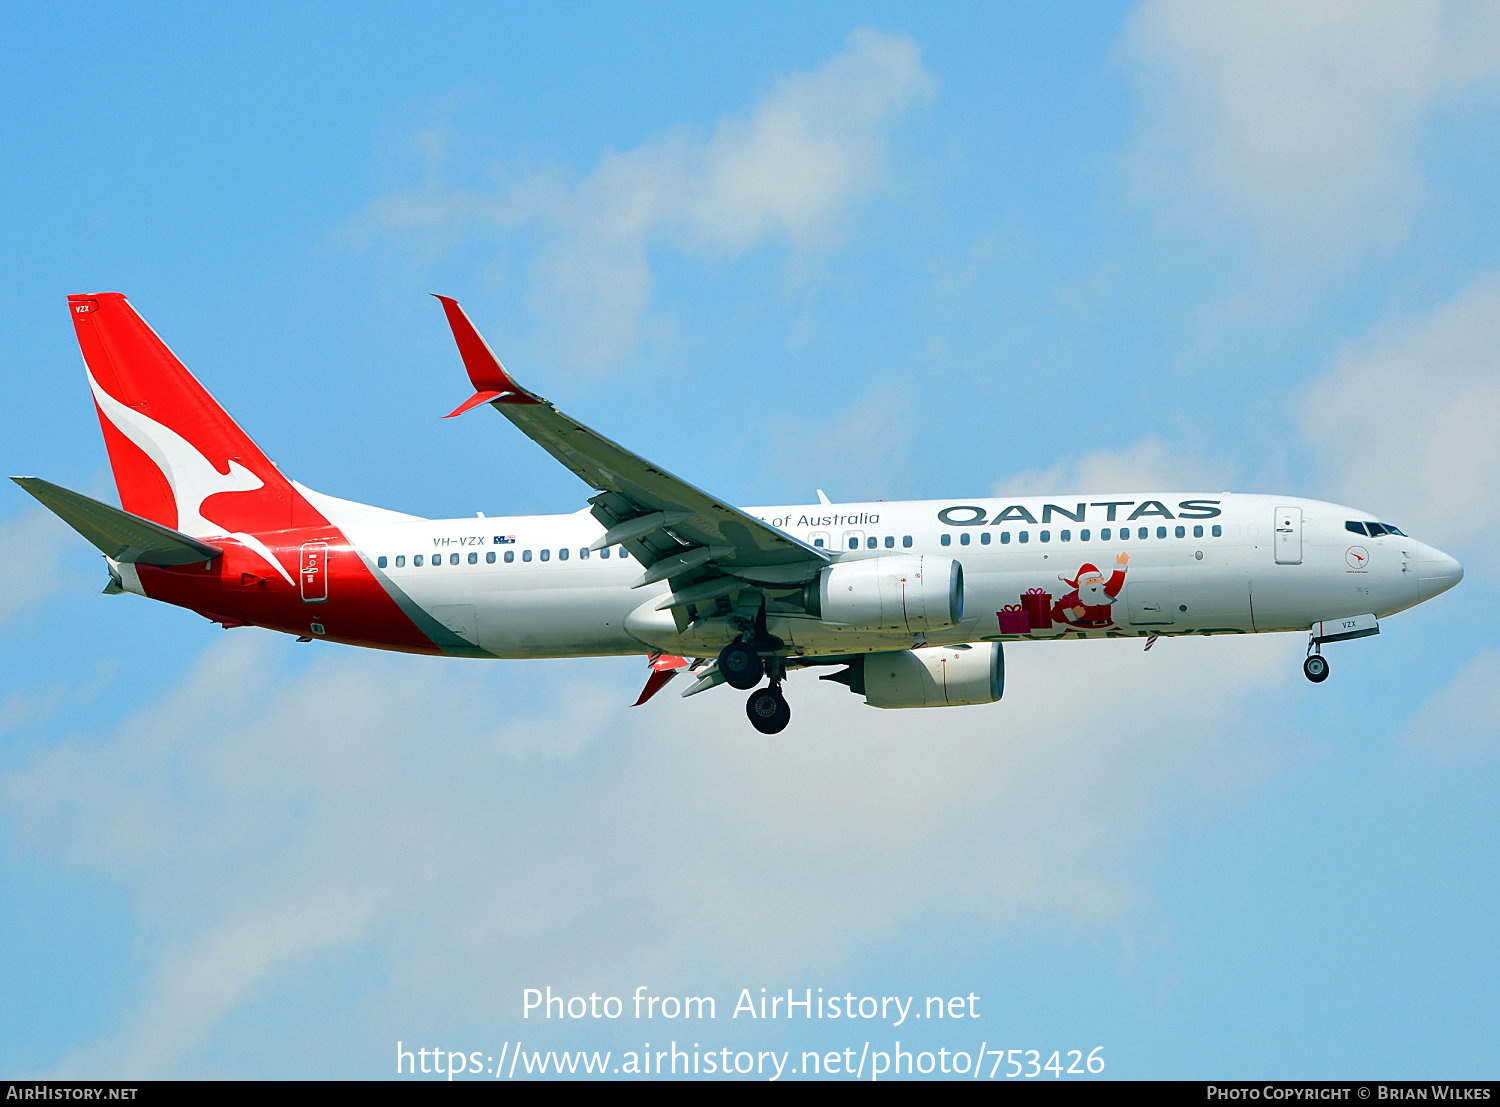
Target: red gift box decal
[(1013, 619), (1038, 607)]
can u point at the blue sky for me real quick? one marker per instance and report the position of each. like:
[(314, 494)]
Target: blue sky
[(882, 251)]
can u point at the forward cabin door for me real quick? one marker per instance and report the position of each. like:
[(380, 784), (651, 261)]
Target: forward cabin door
[(314, 575), (1288, 530)]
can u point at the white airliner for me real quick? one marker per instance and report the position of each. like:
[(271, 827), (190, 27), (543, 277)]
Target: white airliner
[(907, 603)]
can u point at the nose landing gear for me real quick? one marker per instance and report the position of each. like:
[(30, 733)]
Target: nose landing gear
[(1315, 665)]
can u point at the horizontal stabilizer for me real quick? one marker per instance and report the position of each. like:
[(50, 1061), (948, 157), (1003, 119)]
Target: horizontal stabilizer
[(119, 534)]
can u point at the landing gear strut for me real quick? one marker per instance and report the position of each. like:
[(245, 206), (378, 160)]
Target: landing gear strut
[(1315, 666), (768, 710)]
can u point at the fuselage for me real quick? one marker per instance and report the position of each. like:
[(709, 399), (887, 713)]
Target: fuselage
[(530, 586)]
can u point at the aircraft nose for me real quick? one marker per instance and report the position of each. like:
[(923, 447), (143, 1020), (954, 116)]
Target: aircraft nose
[(1437, 572)]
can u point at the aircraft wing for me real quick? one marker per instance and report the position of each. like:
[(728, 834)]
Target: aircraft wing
[(681, 534)]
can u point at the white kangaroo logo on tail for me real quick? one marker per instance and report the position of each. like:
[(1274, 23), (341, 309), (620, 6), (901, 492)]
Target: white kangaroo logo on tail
[(190, 475)]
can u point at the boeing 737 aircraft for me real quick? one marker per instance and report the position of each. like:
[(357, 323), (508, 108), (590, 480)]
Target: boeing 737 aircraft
[(907, 603)]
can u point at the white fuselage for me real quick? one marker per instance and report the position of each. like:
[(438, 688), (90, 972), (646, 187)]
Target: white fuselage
[(1215, 563)]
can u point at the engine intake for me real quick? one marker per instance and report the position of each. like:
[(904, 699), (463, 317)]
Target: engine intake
[(905, 592)]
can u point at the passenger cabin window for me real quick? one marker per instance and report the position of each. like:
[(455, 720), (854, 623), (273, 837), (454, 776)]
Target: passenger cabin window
[(890, 541), (604, 552), (1198, 531), (453, 559), (1161, 532), (525, 555), (818, 542), (1045, 536), (380, 562), (946, 540), (906, 542), (1065, 536), (489, 558), (473, 559), (1005, 538), (583, 553), (1083, 536), (1025, 536), (964, 538), (984, 538), (400, 561), (1181, 532), (1218, 531), (417, 561), (510, 555), (546, 555), (562, 554), (872, 542)]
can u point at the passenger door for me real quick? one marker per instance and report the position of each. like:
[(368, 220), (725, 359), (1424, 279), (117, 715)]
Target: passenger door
[(1288, 529)]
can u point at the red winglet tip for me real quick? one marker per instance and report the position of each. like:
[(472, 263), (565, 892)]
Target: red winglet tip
[(654, 684), (473, 401)]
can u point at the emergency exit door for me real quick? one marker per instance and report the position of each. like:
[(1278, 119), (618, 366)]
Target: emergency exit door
[(1288, 531)]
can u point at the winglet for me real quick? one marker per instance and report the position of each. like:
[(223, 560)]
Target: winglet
[(663, 668), (492, 384)]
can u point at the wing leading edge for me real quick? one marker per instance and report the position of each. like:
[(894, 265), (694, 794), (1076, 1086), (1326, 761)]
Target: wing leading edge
[(702, 546)]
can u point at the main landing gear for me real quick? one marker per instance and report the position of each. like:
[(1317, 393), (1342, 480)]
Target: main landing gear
[(743, 667), (768, 709)]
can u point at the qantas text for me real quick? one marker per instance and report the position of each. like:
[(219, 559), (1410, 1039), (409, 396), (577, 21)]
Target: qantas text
[(972, 515)]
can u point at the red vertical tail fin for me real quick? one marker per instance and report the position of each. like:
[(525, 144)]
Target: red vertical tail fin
[(178, 458)]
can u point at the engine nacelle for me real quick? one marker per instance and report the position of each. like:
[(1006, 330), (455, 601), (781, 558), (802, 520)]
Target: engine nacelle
[(934, 676), (905, 592)]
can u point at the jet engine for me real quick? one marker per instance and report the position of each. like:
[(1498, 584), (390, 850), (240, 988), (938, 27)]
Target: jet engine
[(903, 592), (933, 676)]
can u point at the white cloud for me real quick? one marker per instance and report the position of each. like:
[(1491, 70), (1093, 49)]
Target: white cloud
[(1404, 423), (1460, 722), (468, 830), (1149, 464), (783, 170), (1301, 118)]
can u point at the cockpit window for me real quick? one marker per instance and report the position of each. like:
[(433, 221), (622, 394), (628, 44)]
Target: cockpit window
[(1386, 528), (1357, 528)]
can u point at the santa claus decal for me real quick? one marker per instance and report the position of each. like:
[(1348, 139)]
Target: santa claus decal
[(1087, 607)]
